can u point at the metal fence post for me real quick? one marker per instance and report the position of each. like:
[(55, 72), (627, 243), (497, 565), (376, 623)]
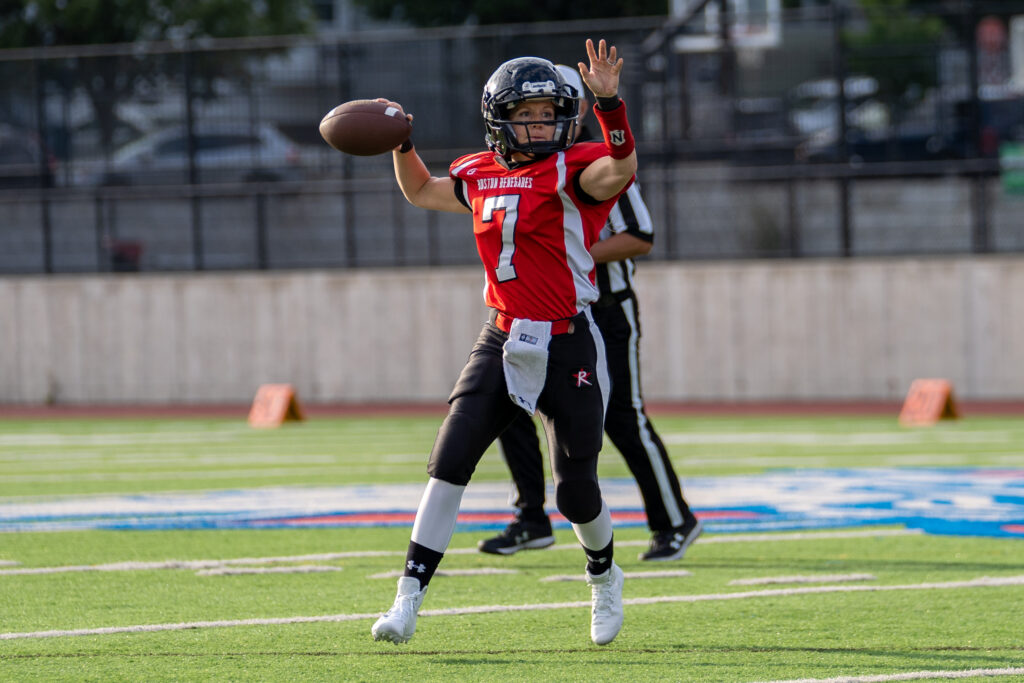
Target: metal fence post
[(196, 213), (102, 262), (979, 210), (839, 64), (46, 226), (668, 186), (727, 70), (349, 211), (793, 217), (262, 258), (433, 249)]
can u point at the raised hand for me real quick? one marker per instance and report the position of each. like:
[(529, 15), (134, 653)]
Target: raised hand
[(602, 76)]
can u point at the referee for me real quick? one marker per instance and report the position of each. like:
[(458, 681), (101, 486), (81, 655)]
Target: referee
[(627, 234)]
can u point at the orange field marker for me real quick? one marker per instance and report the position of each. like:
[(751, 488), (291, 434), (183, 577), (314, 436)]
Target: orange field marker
[(273, 405), (927, 402)]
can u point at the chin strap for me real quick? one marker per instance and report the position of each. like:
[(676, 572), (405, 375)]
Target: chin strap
[(618, 138)]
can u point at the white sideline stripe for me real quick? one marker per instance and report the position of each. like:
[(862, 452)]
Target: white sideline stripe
[(197, 564), (823, 439), (9, 563), (823, 578), (661, 574), (56, 460), (875, 459), (211, 564), (913, 676), (451, 572), (298, 569), (133, 475), (123, 439), (152, 628), (981, 582), (760, 538), (799, 536)]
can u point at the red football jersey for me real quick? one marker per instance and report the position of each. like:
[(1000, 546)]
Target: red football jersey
[(533, 233)]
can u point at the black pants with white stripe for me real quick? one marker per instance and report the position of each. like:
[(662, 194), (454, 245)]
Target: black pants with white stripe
[(626, 425)]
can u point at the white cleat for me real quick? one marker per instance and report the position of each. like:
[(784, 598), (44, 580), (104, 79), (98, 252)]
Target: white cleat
[(606, 606), (399, 623)]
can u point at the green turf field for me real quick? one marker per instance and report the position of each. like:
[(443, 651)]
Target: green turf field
[(866, 603)]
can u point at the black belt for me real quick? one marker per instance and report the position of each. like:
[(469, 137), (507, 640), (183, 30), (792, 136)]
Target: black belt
[(503, 322)]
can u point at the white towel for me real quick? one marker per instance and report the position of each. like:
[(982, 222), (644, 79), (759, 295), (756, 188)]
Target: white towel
[(525, 357)]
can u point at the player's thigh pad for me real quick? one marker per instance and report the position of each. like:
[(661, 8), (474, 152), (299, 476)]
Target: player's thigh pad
[(572, 402), (480, 410)]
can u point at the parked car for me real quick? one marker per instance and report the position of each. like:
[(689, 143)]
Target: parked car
[(25, 161), (814, 105), (224, 152), (907, 142)]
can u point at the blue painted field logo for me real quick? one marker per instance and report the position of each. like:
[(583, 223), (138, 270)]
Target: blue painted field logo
[(961, 501)]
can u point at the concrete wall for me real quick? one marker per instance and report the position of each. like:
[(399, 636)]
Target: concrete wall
[(857, 329), (835, 329)]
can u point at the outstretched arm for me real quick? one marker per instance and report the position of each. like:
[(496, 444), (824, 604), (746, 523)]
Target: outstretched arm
[(419, 187), (605, 177), (618, 247)]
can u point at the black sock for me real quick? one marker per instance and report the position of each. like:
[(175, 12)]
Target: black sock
[(533, 515), (598, 561), (421, 562)]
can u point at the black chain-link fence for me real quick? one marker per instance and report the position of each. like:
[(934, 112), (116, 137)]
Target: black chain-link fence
[(161, 157)]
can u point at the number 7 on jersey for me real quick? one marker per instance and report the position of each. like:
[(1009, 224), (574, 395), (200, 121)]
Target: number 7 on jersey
[(509, 205)]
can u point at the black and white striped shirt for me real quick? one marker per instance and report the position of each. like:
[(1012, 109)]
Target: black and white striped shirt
[(629, 215)]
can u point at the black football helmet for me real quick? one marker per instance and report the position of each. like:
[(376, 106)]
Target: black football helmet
[(518, 80)]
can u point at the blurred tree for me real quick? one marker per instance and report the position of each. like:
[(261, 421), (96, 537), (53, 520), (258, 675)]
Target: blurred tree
[(458, 12), (88, 22), (897, 47), (108, 79)]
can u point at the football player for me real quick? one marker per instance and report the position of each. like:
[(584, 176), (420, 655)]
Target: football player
[(538, 203), (628, 233)]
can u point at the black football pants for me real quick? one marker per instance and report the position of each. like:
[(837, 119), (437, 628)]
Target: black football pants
[(570, 406), (625, 423)]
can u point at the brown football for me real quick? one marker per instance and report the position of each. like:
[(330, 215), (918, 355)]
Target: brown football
[(364, 128)]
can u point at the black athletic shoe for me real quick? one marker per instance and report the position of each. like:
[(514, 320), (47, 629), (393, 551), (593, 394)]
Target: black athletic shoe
[(672, 545), (519, 535)]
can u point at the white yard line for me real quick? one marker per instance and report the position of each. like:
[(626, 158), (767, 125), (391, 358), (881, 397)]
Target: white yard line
[(61, 459), (796, 536), (913, 676), (292, 569), (662, 574), (331, 464), (327, 557), (749, 538), (482, 571), (26, 440), (196, 564), (981, 582), (829, 439), (126, 475), (823, 578), (825, 459), (50, 461)]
